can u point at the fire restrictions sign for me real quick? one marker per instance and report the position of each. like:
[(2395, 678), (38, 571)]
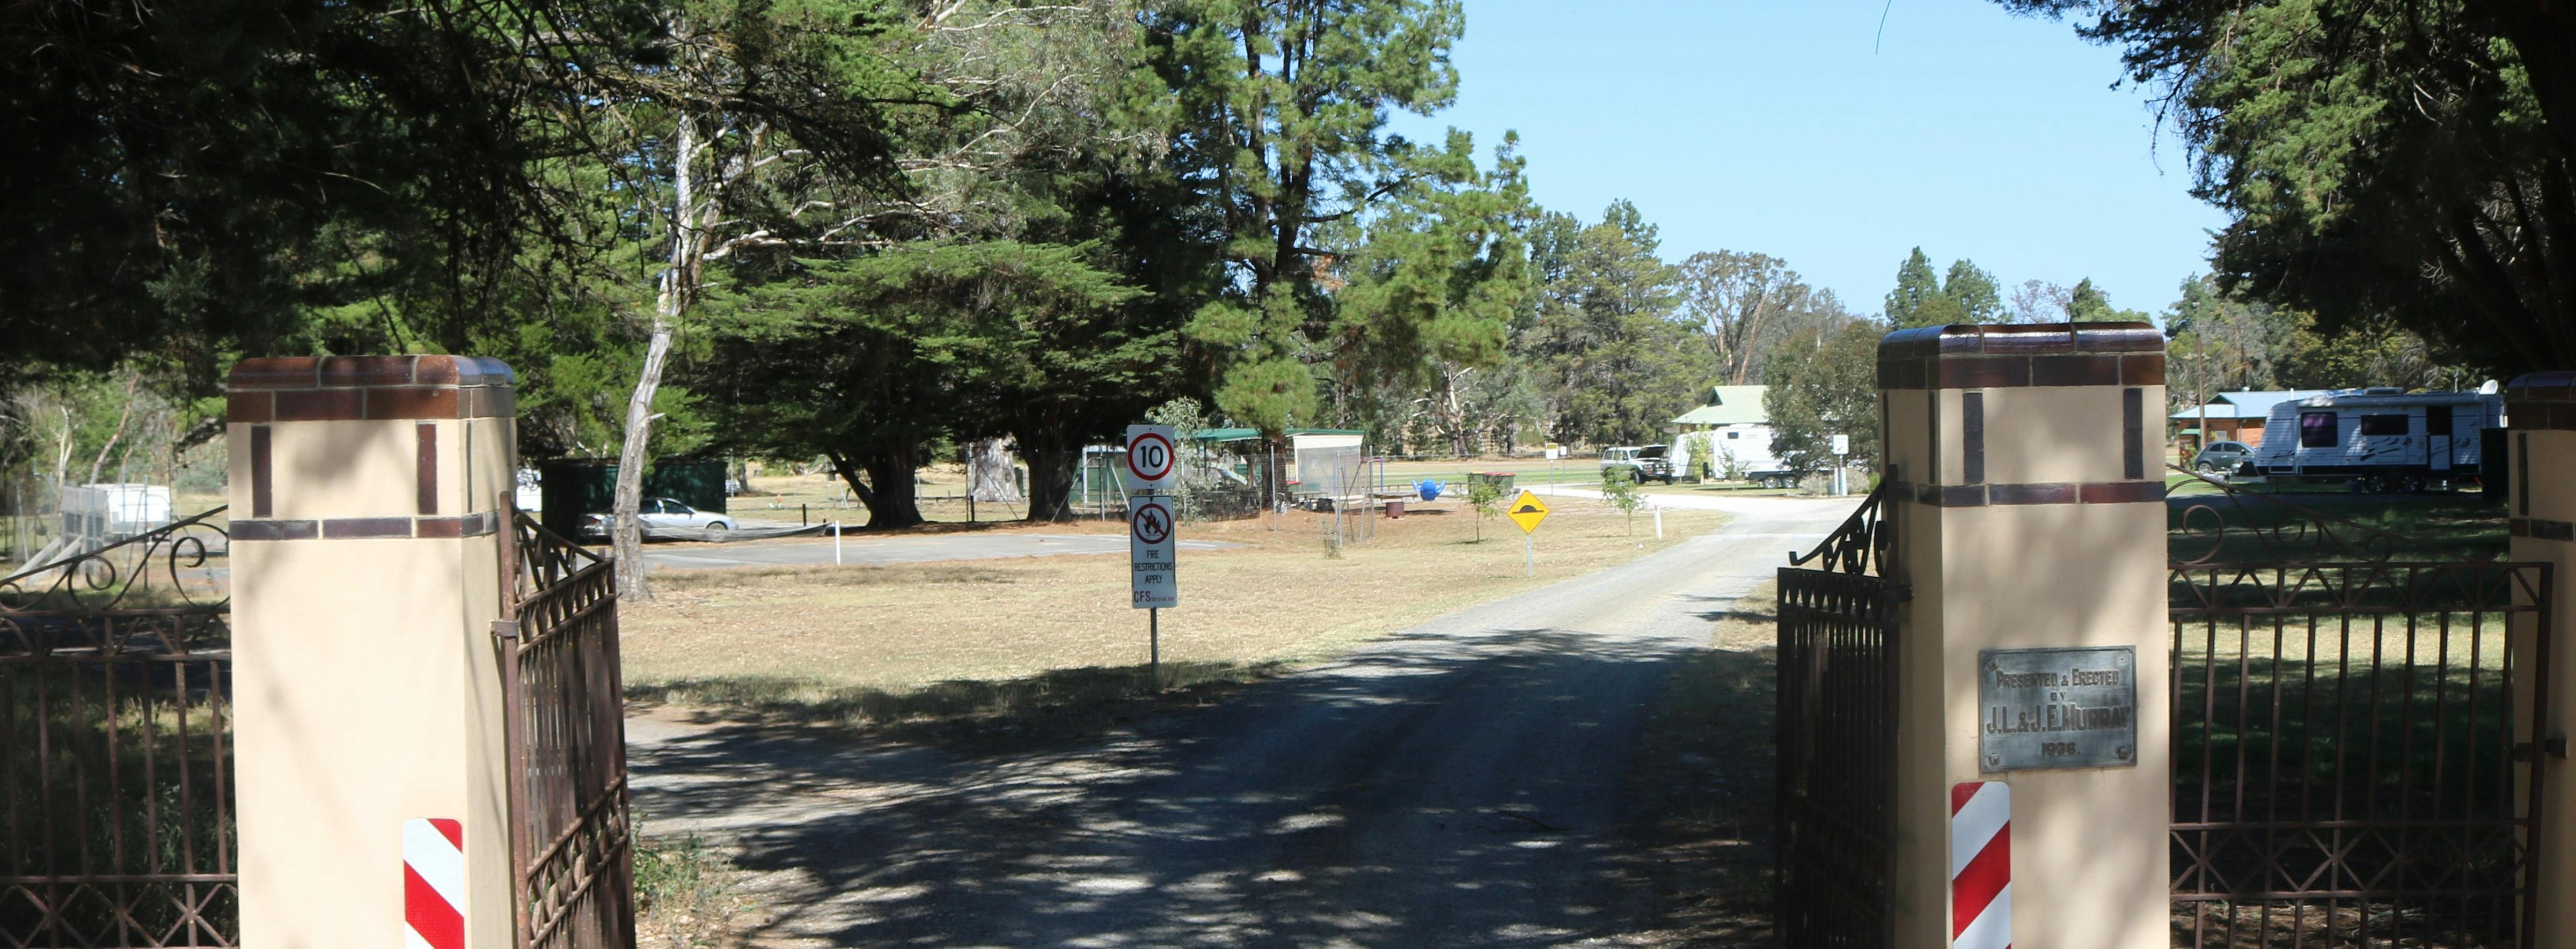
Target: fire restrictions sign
[(1152, 568), (1151, 458)]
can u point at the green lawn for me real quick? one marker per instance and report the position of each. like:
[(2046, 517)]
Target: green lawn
[(2279, 526)]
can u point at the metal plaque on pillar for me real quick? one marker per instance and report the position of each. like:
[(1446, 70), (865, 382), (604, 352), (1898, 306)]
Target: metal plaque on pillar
[(2075, 707)]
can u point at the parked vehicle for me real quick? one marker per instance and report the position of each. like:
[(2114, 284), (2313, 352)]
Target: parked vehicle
[(1645, 462), (530, 494), (664, 512), (2222, 456), (2380, 440)]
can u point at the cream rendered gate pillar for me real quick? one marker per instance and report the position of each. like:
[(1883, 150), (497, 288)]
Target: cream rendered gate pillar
[(2027, 496), (366, 578), (2541, 515)]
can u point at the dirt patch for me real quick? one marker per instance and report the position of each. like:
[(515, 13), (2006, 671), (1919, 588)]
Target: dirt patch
[(689, 895)]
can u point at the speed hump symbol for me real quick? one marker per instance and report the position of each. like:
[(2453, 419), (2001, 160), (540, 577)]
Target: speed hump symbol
[(1150, 457), (1526, 511), (1152, 523)]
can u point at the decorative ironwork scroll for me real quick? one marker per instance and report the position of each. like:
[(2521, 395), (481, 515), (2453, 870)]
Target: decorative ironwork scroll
[(1864, 544), (167, 566)]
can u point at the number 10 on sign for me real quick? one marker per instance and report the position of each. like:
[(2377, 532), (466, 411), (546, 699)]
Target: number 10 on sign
[(1151, 458)]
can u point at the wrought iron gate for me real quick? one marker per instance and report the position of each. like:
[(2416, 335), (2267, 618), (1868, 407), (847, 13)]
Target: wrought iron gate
[(116, 818), (1837, 738), (2347, 733), (570, 833)]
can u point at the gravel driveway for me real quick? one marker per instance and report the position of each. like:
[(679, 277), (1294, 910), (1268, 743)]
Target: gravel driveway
[(1456, 784)]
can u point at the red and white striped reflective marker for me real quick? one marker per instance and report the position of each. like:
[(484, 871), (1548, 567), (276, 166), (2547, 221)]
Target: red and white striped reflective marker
[(1980, 865), (433, 884)]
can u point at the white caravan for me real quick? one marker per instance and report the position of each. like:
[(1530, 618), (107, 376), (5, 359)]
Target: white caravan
[(2379, 439)]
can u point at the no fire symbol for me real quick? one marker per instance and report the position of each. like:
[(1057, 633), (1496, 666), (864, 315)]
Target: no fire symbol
[(1152, 523)]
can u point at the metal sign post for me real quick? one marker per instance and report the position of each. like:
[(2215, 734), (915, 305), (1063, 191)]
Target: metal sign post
[(1842, 480)]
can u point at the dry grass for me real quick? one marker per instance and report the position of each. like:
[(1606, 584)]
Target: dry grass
[(1000, 639), (688, 895)]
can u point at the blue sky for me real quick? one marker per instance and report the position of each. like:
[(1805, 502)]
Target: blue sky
[(1775, 127)]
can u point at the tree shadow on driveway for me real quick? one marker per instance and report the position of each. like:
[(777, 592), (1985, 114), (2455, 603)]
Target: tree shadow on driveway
[(1437, 789)]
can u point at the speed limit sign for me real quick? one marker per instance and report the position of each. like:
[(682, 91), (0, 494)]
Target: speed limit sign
[(1151, 458)]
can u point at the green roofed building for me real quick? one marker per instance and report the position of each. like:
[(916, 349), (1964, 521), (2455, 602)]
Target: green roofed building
[(1726, 405), (1739, 428)]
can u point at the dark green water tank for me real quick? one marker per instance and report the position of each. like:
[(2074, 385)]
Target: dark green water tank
[(577, 487)]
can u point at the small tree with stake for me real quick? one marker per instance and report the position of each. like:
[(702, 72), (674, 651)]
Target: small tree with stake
[(1619, 486), (1487, 498)]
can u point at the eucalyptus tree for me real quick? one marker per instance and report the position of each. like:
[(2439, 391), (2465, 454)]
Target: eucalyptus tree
[(1744, 305), (743, 128)]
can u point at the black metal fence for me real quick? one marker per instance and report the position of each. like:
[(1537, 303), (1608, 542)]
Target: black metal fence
[(2347, 734), (570, 830), (1837, 741), (116, 817)]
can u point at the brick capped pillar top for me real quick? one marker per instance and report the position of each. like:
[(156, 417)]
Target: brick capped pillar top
[(2027, 461), (379, 477)]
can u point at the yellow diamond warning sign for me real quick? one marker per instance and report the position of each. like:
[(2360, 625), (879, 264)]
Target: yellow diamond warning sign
[(1527, 511)]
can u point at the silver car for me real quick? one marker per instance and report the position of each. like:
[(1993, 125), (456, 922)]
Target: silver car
[(664, 512), (2222, 456)]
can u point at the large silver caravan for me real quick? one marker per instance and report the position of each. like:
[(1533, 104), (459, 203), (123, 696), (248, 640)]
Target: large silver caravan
[(2379, 439)]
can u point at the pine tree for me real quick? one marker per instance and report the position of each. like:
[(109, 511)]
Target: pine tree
[(2087, 303), (1619, 364), (1974, 292), (1283, 108), (1916, 286)]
